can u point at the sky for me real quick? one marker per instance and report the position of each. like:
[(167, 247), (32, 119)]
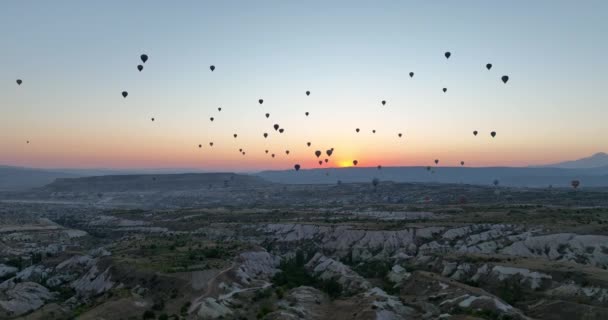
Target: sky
[(76, 57)]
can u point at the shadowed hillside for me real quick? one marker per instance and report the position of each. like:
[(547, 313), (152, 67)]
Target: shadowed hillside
[(160, 182)]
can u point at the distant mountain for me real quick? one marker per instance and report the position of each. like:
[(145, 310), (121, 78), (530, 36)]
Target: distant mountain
[(597, 160), (16, 178), (506, 176)]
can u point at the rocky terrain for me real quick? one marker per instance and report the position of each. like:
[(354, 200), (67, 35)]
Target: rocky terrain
[(354, 253)]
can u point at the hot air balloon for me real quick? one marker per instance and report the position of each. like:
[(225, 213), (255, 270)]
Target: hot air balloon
[(125, 94), (28, 142), (318, 153), (286, 151), (276, 127), (447, 54), (475, 132), (211, 144), (436, 161), (200, 145), (489, 66), (329, 152), (307, 93), (383, 102), (320, 162), (219, 109), (152, 119), (140, 67), (357, 130), (355, 162), (266, 151), (308, 144), (462, 163), (379, 167), (326, 160), (399, 134), (411, 74), (493, 134), (374, 131), (272, 155), (265, 135), (281, 130), (234, 135), (575, 184), (19, 82), (267, 115), (306, 113), (297, 167), (241, 150), (261, 101), (445, 90), (211, 119), (144, 58), (505, 79), (212, 67)]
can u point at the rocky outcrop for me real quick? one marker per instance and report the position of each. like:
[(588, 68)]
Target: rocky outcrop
[(22, 297), (256, 265), (583, 249), (93, 282), (329, 269)]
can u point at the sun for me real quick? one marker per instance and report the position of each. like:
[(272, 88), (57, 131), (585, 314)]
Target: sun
[(344, 163)]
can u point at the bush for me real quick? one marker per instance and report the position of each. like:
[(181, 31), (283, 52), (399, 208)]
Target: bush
[(149, 314)]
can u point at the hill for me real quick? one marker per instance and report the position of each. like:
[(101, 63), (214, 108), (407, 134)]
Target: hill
[(507, 176), (597, 160), (151, 182), (16, 178)]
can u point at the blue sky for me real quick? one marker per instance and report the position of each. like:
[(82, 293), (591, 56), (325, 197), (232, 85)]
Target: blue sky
[(75, 58)]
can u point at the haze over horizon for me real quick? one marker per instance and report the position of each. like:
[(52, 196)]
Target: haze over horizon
[(76, 58)]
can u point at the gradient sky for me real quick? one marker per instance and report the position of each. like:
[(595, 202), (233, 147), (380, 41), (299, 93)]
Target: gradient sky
[(75, 58)]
